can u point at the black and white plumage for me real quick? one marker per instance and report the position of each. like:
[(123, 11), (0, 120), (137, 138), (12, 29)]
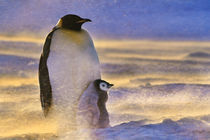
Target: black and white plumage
[(92, 112), (68, 63)]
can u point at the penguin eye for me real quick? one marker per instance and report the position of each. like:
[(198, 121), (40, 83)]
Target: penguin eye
[(103, 85)]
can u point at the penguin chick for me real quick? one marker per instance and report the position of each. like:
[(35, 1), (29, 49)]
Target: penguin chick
[(92, 112)]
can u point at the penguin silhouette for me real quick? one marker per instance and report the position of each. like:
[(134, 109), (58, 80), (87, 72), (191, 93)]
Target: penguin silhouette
[(68, 63), (92, 112)]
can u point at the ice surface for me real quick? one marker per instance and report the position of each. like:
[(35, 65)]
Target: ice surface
[(199, 54), (174, 111), (159, 93), (183, 129)]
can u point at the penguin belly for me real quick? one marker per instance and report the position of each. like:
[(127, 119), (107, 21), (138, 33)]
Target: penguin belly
[(72, 64)]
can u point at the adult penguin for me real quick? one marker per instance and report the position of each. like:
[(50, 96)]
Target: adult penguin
[(68, 64)]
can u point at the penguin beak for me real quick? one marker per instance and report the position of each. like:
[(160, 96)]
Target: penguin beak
[(110, 85), (84, 20)]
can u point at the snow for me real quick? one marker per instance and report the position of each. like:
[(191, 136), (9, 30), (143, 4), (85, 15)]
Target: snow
[(199, 54), (183, 129), (184, 114), (160, 93)]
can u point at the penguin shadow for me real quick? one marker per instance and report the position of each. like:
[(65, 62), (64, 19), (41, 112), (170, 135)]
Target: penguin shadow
[(92, 112)]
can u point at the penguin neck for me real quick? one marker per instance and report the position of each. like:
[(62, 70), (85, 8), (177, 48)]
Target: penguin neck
[(68, 37), (102, 98), (71, 28)]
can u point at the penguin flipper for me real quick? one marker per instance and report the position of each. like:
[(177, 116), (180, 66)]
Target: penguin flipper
[(44, 80)]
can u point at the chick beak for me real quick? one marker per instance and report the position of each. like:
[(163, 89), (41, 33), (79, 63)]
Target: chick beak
[(84, 20), (110, 85)]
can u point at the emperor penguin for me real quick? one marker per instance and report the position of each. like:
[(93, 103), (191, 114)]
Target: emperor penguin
[(92, 112), (68, 63)]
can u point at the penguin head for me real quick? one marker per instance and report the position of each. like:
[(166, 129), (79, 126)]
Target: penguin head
[(103, 85), (72, 22)]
